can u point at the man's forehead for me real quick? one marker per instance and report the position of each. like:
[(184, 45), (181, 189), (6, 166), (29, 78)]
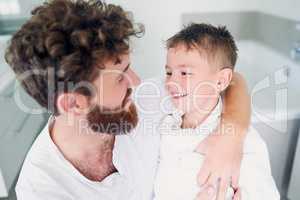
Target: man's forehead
[(118, 63)]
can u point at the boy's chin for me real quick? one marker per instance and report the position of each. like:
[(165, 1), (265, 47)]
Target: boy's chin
[(181, 107)]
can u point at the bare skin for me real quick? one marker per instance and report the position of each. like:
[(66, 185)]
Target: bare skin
[(90, 154)]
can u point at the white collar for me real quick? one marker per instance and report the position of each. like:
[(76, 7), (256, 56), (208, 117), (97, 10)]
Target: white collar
[(173, 121)]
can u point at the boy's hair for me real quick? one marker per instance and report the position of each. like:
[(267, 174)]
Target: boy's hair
[(62, 44), (214, 42)]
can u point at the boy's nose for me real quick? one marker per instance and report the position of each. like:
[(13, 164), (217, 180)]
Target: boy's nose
[(173, 87)]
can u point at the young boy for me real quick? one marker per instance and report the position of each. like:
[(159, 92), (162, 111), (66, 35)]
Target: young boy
[(200, 63)]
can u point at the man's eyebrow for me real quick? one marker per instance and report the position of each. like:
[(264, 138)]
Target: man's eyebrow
[(126, 68)]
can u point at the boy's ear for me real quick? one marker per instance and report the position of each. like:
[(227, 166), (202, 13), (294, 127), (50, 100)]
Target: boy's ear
[(72, 103), (224, 79)]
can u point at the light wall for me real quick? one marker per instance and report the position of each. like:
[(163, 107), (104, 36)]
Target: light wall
[(284, 8), (161, 20), (27, 5)]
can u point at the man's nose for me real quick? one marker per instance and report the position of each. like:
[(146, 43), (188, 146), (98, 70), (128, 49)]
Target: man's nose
[(134, 79)]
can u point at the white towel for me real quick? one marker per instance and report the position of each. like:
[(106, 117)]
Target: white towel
[(179, 164)]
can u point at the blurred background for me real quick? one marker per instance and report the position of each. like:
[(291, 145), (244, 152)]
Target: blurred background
[(268, 37)]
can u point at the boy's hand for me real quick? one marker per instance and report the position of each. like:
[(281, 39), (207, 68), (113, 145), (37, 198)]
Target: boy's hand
[(222, 162)]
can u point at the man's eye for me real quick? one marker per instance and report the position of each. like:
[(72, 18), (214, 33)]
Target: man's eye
[(169, 73)]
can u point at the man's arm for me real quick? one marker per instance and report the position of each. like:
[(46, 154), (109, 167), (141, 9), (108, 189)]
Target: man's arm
[(236, 110), (224, 148)]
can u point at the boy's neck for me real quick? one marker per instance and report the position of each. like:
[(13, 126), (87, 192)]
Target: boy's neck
[(195, 118)]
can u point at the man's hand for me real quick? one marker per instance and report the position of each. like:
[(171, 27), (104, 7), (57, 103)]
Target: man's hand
[(209, 193), (237, 194), (223, 155)]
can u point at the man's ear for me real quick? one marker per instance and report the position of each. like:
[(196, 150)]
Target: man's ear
[(224, 79), (72, 103), (82, 104)]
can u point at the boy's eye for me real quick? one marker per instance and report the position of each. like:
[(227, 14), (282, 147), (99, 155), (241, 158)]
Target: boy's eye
[(168, 73), (185, 73)]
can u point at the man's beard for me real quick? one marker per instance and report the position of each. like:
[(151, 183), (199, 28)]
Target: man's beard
[(113, 121)]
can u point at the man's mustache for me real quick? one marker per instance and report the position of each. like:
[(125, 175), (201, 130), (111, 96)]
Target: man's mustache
[(129, 92)]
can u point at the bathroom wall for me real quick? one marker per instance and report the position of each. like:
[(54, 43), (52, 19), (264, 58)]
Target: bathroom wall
[(27, 5), (284, 8), (162, 19), (277, 32)]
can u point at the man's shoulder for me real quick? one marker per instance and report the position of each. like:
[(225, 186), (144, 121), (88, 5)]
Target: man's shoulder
[(43, 172), (41, 148), (39, 161)]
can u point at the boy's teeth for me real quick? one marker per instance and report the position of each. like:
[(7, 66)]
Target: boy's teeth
[(179, 95)]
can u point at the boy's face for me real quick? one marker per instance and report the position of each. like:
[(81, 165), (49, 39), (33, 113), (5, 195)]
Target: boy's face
[(191, 80)]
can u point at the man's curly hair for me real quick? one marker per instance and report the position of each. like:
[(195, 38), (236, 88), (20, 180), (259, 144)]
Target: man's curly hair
[(66, 40)]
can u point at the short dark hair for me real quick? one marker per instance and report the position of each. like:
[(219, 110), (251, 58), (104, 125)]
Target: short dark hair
[(68, 39), (214, 41)]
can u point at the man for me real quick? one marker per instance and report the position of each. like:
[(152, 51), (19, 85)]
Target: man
[(75, 57)]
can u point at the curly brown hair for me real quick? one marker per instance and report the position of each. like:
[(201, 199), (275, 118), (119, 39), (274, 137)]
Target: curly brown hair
[(66, 40)]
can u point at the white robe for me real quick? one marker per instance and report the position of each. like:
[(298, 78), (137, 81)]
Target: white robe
[(179, 164)]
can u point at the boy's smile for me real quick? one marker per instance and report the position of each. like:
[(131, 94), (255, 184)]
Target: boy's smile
[(190, 79)]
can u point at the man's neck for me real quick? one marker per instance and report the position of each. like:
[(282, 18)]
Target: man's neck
[(197, 117), (89, 152)]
